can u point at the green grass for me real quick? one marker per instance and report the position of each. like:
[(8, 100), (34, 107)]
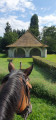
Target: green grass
[(51, 57), (42, 109), (3, 55)]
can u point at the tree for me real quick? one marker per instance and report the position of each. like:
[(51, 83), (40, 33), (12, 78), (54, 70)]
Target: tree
[(8, 28), (49, 38), (20, 33), (34, 27), (1, 44), (9, 36)]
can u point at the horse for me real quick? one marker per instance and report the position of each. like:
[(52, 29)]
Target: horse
[(15, 93)]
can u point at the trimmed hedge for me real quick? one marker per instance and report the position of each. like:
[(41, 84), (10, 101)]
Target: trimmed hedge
[(44, 89), (50, 66)]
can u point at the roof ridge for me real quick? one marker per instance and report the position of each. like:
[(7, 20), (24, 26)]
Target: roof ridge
[(36, 37)]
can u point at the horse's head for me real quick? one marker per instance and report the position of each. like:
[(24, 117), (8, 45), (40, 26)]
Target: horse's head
[(24, 106)]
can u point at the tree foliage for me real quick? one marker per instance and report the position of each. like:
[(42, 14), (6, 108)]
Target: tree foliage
[(34, 27), (1, 43), (49, 38), (8, 28), (20, 33), (10, 36)]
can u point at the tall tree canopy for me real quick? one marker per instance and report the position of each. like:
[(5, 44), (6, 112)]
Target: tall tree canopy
[(20, 33), (1, 43), (9, 36), (34, 27), (8, 28), (49, 38)]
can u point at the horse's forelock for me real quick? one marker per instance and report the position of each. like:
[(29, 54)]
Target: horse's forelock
[(17, 74)]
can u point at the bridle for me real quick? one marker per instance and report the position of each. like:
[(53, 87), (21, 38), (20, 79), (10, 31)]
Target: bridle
[(27, 93), (27, 108)]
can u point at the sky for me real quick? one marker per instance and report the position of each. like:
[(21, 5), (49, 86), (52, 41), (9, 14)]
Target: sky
[(19, 12)]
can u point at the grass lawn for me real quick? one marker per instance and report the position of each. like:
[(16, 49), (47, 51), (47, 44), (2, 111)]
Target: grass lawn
[(51, 57), (42, 109), (3, 55)]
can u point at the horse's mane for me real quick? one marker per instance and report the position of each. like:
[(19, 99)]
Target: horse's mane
[(10, 95), (6, 77)]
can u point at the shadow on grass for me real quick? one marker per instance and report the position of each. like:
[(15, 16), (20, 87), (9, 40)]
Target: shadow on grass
[(46, 100), (45, 73), (3, 55)]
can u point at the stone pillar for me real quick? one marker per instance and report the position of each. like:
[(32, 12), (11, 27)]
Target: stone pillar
[(43, 52), (27, 51), (11, 52)]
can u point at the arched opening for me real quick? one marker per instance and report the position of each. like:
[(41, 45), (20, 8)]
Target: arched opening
[(35, 52), (20, 53)]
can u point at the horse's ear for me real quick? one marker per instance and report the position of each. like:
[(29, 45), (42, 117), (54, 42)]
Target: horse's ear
[(11, 66), (28, 71)]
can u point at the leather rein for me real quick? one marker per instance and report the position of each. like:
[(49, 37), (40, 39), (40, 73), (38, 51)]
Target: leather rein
[(27, 93)]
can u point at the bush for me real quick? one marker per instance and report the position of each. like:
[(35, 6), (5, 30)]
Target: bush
[(44, 89), (47, 65)]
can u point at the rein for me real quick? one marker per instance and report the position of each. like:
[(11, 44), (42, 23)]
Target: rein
[(27, 93), (15, 93)]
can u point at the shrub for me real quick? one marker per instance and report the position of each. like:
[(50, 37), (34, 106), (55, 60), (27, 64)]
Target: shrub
[(50, 66), (44, 89)]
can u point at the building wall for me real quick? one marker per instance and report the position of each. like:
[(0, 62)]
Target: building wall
[(27, 52), (11, 52)]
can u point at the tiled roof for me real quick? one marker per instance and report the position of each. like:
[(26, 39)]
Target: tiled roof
[(27, 40)]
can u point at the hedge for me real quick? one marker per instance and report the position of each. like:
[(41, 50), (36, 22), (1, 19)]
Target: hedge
[(50, 66), (44, 89)]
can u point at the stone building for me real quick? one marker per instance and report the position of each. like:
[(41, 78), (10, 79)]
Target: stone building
[(27, 46)]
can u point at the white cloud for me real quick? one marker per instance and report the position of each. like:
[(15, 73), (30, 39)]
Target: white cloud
[(47, 21), (19, 24), (45, 9), (21, 5), (14, 22), (23, 15)]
